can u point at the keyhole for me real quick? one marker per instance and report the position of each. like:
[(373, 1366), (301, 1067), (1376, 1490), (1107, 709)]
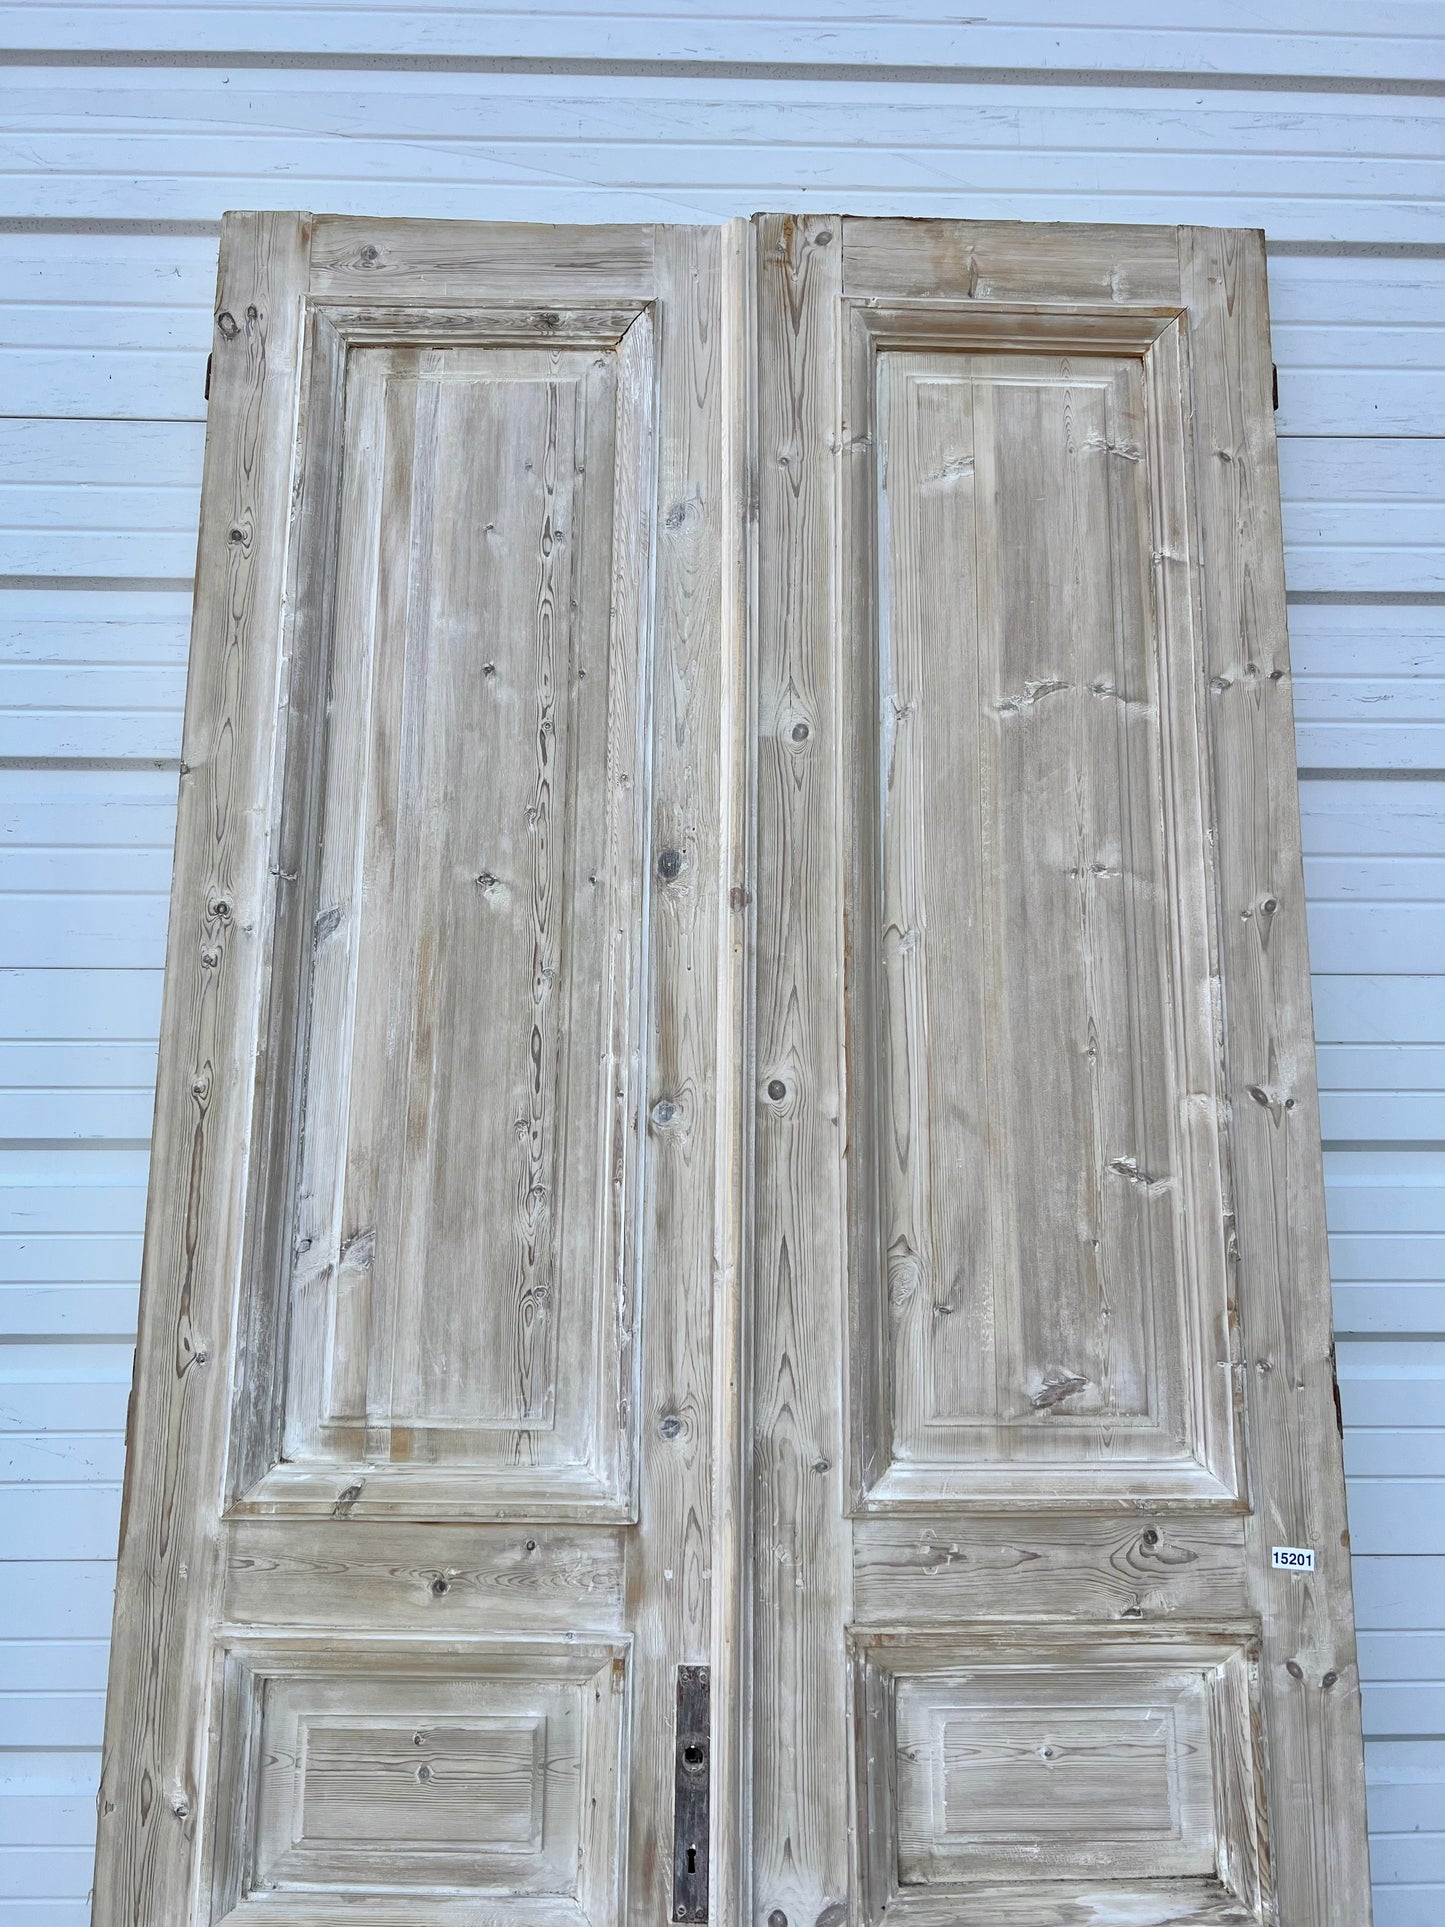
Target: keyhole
[(692, 1859)]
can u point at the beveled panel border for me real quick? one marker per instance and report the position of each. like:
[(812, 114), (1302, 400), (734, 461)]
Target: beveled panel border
[(1226, 1656), (259, 1483), (243, 1663), (1213, 1475)]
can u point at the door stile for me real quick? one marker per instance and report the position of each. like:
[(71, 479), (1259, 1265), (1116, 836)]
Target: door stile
[(1310, 1679), (670, 1576), (800, 1572), (217, 954), (731, 1653)]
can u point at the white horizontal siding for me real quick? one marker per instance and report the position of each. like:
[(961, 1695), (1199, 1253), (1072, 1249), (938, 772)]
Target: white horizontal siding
[(117, 163), (180, 146), (1330, 38)]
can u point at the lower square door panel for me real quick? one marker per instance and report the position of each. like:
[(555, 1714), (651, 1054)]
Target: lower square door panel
[(1042, 1781), (463, 1781)]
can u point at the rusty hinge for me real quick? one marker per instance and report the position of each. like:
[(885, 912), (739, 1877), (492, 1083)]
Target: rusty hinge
[(691, 1788)]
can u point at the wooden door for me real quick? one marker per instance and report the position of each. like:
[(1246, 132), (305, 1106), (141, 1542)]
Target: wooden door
[(418, 1514), (736, 1104), (1038, 1333)]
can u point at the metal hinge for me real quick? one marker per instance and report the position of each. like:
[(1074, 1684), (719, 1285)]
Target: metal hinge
[(691, 1789)]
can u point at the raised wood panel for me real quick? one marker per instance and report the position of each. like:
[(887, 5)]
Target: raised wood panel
[(1035, 1093), (461, 1167), (993, 1772), (411, 1776)]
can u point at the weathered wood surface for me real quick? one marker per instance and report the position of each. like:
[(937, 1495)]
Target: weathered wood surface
[(217, 955), (471, 941), (1310, 1679), (1013, 535), (413, 1579), (471, 1212), (1081, 1750), (670, 1557), (955, 1567), (1031, 940), (439, 261), (739, 772), (414, 1771), (795, 1352)]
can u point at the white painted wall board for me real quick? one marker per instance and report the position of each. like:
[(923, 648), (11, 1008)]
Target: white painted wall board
[(66, 1309), (52, 1404), (76, 1521), (1405, 1591), (1404, 37), (1373, 818), (1362, 1009), (46, 1456), (1393, 1116), (1387, 1306), (1383, 1450), (187, 144), (1387, 1513), (47, 1820), (1369, 693), (84, 1004), (49, 1599)]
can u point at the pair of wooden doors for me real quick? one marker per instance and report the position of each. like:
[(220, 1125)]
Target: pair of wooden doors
[(736, 1317)]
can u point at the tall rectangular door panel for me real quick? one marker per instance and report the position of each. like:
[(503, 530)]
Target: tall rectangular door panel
[(1038, 1334), (418, 1512)]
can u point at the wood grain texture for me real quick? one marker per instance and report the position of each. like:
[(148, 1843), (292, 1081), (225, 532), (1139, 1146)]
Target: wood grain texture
[(472, 949), (882, 928), (954, 1567), (1090, 1754), (1035, 917), (439, 261), (151, 1776), (730, 1882), (670, 1556), (1310, 1683), (799, 1567), (483, 1153), (924, 467), (427, 1774)]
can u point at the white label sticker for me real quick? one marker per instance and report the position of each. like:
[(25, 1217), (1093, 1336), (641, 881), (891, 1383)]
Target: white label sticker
[(1293, 1559)]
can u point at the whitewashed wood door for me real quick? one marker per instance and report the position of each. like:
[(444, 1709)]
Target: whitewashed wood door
[(1038, 1334), (417, 1527), (736, 1090)]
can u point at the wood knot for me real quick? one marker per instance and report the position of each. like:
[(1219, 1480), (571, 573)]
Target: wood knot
[(1055, 1391)]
